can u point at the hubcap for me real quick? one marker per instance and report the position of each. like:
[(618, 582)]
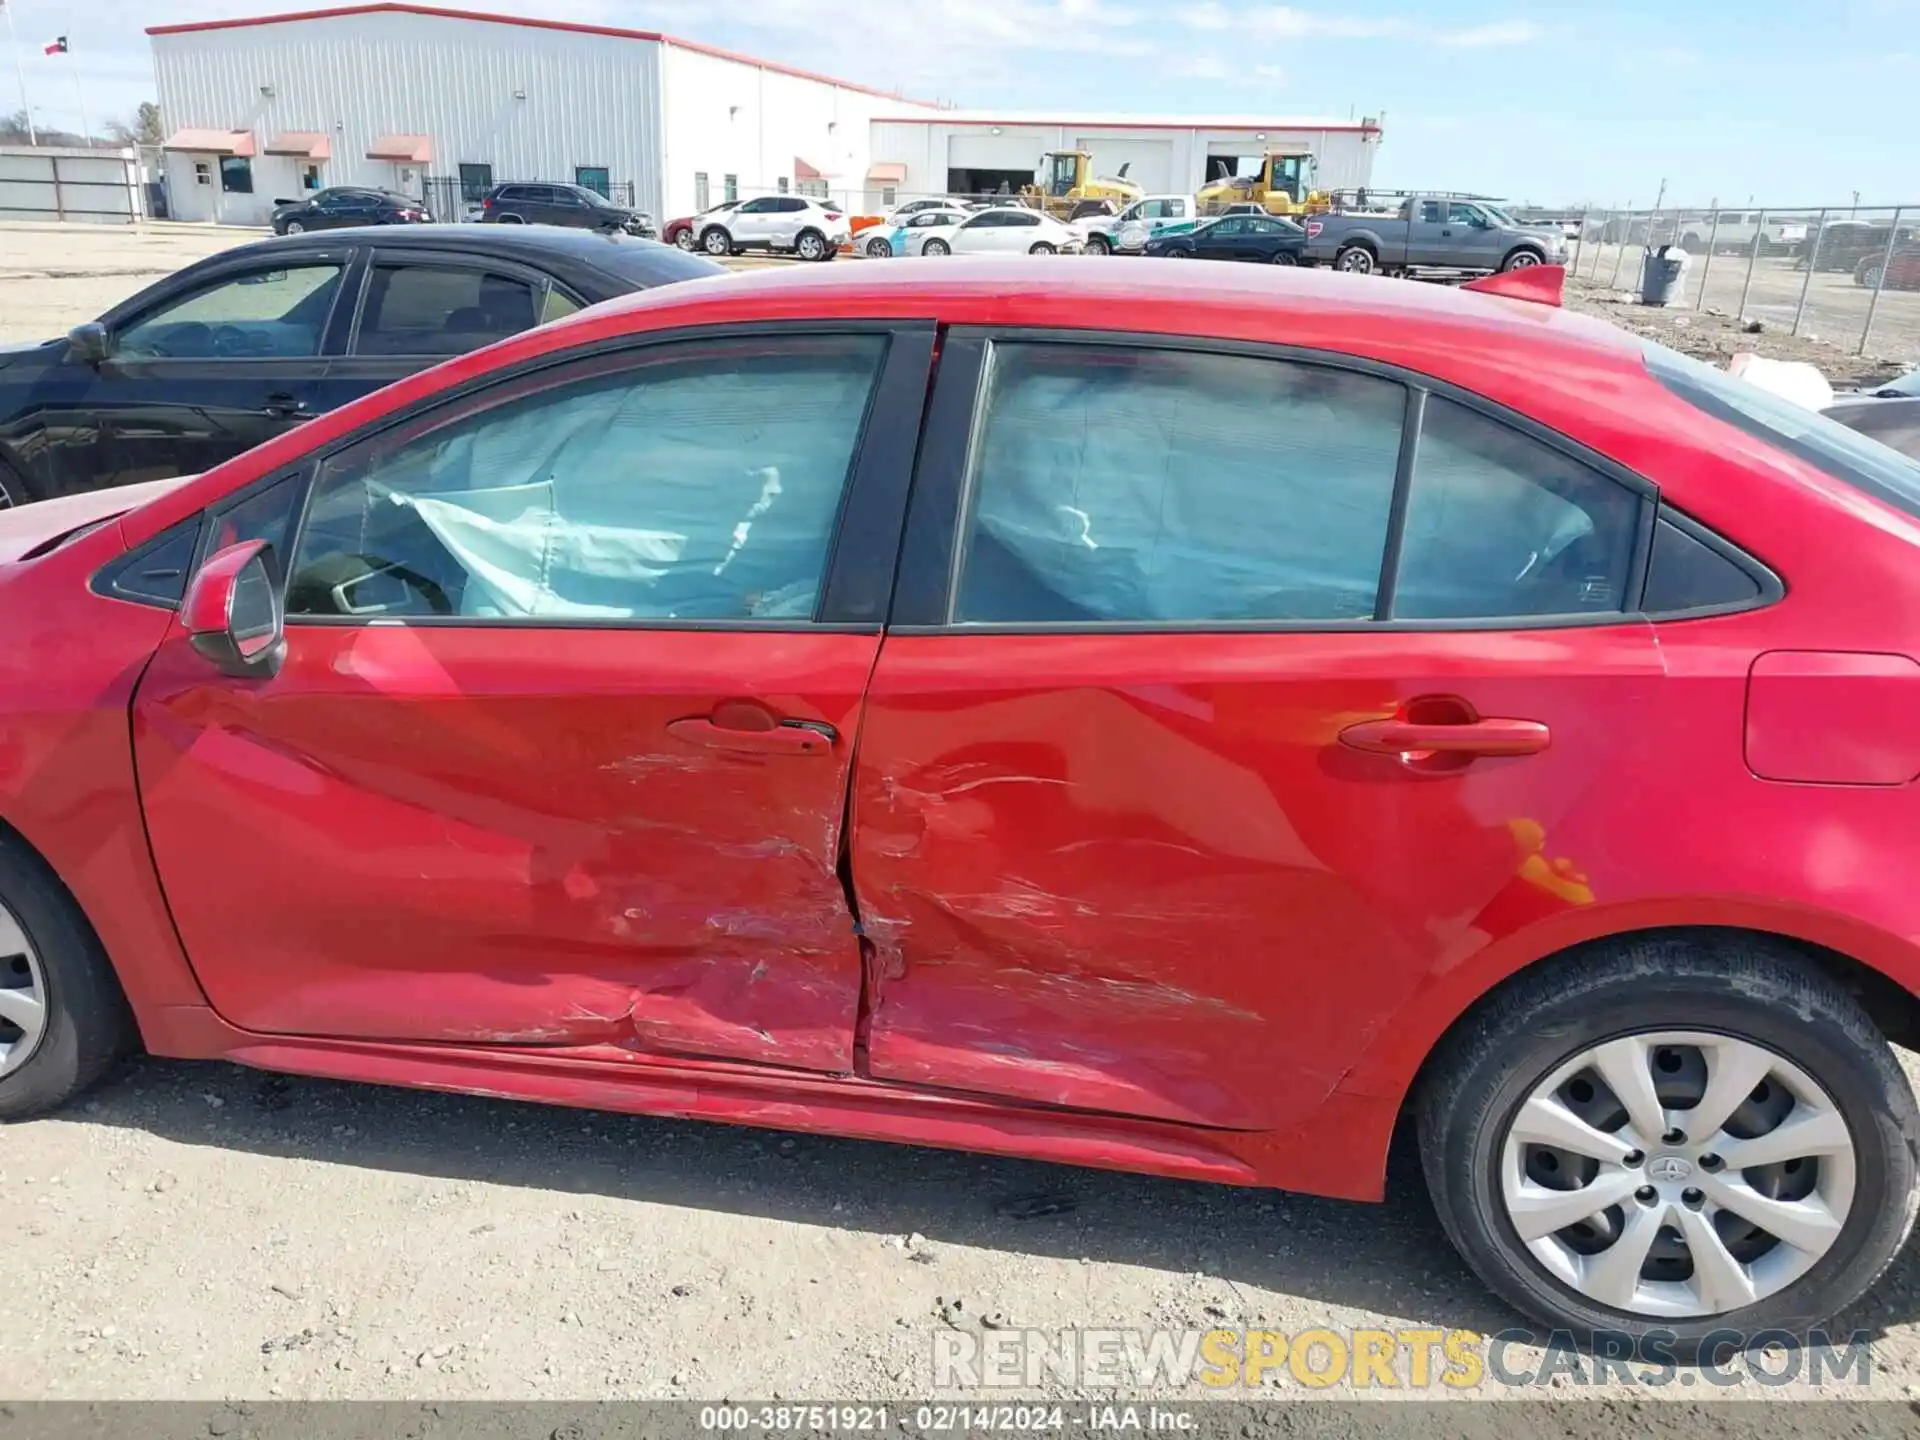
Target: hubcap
[(1677, 1173), (23, 995), (1523, 262), (294, 227)]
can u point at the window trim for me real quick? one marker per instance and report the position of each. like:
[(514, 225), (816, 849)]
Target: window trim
[(1772, 588), (932, 550), (858, 575)]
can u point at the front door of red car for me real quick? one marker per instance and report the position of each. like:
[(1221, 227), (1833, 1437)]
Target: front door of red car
[(560, 748), (1168, 798)]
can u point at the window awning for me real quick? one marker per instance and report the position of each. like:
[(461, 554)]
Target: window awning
[(807, 170), (402, 149), (307, 144), (211, 142), (889, 172)]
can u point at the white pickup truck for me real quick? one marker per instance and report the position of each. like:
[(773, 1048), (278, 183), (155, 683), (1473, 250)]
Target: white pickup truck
[(1128, 232)]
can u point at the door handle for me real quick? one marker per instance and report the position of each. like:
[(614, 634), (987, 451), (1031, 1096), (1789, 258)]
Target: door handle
[(283, 405), (742, 725), (1479, 736)]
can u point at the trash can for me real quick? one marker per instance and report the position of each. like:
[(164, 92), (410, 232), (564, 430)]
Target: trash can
[(1661, 275)]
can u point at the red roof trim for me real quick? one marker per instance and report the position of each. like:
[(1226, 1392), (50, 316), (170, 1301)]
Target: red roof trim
[(393, 7), (1086, 124)]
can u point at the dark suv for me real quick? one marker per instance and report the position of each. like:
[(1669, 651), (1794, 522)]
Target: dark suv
[(574, 206)]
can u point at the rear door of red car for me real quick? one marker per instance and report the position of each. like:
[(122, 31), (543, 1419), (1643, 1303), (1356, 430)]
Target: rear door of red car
[(560, 750), (1229, 694)]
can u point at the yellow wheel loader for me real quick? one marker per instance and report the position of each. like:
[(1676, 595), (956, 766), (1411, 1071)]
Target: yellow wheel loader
[(1282, 186), (1065, 178)]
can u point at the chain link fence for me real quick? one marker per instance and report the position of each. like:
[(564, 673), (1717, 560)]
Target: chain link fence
[(1848, 275)]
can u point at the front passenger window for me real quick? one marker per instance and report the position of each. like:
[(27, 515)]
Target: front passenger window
[(698, 482), (263, 314)]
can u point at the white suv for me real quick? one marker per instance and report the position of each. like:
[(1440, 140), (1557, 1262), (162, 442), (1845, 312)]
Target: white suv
[(811, 229)]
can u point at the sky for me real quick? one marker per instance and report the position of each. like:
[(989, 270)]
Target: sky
[(1785, 102)]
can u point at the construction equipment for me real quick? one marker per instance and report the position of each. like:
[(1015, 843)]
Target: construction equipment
[(1065, 177), (1282, 186)]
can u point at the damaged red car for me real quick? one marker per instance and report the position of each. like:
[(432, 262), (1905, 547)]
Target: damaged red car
[(1189, 723)]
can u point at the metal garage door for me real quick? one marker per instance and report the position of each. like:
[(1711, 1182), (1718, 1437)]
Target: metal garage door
[(1149, 162), (978, 150)]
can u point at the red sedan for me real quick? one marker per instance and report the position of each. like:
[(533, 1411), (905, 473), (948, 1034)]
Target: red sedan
[(1172, 722), (1902, 269), (684, 230)]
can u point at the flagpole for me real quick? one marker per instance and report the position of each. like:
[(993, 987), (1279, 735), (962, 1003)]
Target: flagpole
[(20, 70), (78, 99)]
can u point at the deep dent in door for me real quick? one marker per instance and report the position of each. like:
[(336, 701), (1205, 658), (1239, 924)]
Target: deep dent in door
[(414, 834)]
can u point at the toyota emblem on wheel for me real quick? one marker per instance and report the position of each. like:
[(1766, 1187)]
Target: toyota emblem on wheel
[(1669, 1170)]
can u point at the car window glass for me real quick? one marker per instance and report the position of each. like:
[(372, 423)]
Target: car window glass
[(1020, 220), (1114, 484), (1688, 574), (701, 482), (792, 206), (1466, 215), (1430, 213), (264, 515), (1176, 209), (756, 207), (261, 314), (1232, 225), (556, 304), (1500, 524), (441, 310)]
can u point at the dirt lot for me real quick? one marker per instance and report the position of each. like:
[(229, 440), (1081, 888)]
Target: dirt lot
[(200, 1231)]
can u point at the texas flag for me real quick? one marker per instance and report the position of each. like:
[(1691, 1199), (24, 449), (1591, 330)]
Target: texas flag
[(56, 46)]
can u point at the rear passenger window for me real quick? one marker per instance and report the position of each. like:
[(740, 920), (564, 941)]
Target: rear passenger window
[(1500, 525), (441, 310), (1155, 486)]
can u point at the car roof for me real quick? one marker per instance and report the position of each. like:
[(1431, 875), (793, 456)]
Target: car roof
[(506, 241), (1303, 305)]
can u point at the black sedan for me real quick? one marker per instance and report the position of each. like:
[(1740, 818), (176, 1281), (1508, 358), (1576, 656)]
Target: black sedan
[(231, 351), (1265, 238), (346, 205)]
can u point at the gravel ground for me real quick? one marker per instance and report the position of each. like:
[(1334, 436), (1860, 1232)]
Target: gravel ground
[(205, 1232)]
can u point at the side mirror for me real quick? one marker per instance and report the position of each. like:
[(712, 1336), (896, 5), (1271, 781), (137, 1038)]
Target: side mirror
[(232, 613), (88, 342)]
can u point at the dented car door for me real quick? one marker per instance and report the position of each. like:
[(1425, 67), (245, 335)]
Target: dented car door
[(1153, 814), (560, 748)]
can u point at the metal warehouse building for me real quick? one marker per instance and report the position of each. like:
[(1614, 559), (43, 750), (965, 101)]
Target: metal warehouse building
[(977, 152), (441, 104)]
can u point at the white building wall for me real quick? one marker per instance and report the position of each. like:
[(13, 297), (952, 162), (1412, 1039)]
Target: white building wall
[(1171, 157), (589, 100), (732, 116)]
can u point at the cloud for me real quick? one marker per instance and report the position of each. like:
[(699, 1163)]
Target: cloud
[(1481, 37), (1292, 24), (1204, 67), (1208, 15)]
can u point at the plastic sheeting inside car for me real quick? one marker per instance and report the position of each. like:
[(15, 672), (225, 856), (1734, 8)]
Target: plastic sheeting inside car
[(689, 490), (1165, 486)]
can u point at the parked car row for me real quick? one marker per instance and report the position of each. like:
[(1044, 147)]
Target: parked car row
[(995, 230), (779, 224)]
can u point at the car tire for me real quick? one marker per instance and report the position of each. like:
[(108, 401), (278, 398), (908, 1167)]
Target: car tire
[(717, 242), (509, 220), (936, 248), (811, 245), (1179, 252), (1040, 247), (1285, 257), (1868, 276), (1097, 245), (1657, 1008), (293, 227), (685, 241), (1356, 260), (48, 952), (1522, 259), (879, 248)]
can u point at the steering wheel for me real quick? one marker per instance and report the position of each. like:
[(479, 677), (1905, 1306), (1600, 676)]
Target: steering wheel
[(183, 341), (229, 340)]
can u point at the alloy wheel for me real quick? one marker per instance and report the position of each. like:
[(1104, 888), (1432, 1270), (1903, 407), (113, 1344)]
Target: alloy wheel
[(1524, 260), (23, 995), (294, 227), (1677, 1173)]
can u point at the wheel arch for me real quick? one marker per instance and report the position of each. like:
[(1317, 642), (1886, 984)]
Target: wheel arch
[(1893, 1006)]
